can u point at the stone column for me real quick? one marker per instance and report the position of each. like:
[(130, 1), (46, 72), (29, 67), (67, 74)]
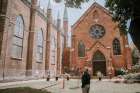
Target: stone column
[(31, 38), (58, 43), (48, 33), (58, 52), (3, 11), (73, 54)]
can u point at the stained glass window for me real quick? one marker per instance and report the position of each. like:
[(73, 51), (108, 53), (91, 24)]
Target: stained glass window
[(81, 49), (116, 47)]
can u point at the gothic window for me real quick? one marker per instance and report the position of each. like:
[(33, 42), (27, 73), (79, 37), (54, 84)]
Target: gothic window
[(17, 43), (81, 49), (116, 47), (39, 46), (98, 56)]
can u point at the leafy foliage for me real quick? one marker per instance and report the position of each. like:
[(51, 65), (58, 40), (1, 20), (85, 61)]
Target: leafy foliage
[(120, 72), (123, 10), (135, 68), (73, 3)]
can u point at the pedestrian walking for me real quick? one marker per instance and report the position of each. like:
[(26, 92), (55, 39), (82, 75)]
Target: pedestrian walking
[(85, 82)]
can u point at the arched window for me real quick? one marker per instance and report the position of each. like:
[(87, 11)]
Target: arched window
[(116, 47), (17, 43), (98, 56), (81, 49), (39, 46)]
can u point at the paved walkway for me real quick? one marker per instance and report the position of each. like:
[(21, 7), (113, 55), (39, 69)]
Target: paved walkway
[(105, 86), (39, 84), (74, 86)]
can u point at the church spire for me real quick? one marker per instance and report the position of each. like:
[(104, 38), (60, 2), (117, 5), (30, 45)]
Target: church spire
[(49, 12), (58, 15), (65, 26), (65, 17), (58, 20), (49, 5)]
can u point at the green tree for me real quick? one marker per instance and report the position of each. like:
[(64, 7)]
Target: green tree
[(73, 3), (124, 11)]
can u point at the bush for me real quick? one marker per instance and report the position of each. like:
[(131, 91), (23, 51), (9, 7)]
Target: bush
[(128, 76), (120, 72), (135, 68)]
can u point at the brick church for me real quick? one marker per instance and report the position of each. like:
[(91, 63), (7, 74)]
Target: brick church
[(32, 41), (97, 43)]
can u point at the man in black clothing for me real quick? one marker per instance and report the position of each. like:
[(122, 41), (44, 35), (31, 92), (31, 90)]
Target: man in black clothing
[(85, 82)]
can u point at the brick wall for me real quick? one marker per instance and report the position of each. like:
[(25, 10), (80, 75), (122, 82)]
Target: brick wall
[(96, 14)]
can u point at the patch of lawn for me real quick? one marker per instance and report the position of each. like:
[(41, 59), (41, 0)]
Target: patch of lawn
[(23, 90)]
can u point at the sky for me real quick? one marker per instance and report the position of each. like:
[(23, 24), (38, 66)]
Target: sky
[(73, 13)]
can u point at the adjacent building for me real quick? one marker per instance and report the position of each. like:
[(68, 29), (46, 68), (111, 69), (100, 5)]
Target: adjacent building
[(31, 40)]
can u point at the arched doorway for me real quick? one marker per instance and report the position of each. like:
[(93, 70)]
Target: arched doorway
[(99, 63)]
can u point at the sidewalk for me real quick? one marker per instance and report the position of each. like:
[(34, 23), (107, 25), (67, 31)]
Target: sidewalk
[(41, 83)]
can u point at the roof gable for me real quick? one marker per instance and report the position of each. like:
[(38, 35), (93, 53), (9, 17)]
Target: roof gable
[(94, 5)]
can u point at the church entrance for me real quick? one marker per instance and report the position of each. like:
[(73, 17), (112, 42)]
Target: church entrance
[(99, 63)]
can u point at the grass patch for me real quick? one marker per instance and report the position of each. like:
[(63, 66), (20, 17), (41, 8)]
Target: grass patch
[(23, 90)]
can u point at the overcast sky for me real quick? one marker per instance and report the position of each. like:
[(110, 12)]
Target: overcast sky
[(73, 13)]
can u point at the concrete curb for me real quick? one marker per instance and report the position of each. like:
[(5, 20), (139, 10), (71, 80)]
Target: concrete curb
[(10, 84)]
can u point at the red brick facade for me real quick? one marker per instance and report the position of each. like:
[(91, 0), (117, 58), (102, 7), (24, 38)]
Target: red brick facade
[(35, 19), (96, 14)]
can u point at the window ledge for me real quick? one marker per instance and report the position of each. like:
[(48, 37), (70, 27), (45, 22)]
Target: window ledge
[(15, 58)]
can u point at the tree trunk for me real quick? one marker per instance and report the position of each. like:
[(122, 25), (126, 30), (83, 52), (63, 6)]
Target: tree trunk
[(135, 32)]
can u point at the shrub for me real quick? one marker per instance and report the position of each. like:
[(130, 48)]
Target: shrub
[(120, 72)]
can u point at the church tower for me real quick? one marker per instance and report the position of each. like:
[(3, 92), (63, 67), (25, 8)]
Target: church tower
[(48, 29), (58, 42), (58, 21), (66, 51), (65, 26)]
